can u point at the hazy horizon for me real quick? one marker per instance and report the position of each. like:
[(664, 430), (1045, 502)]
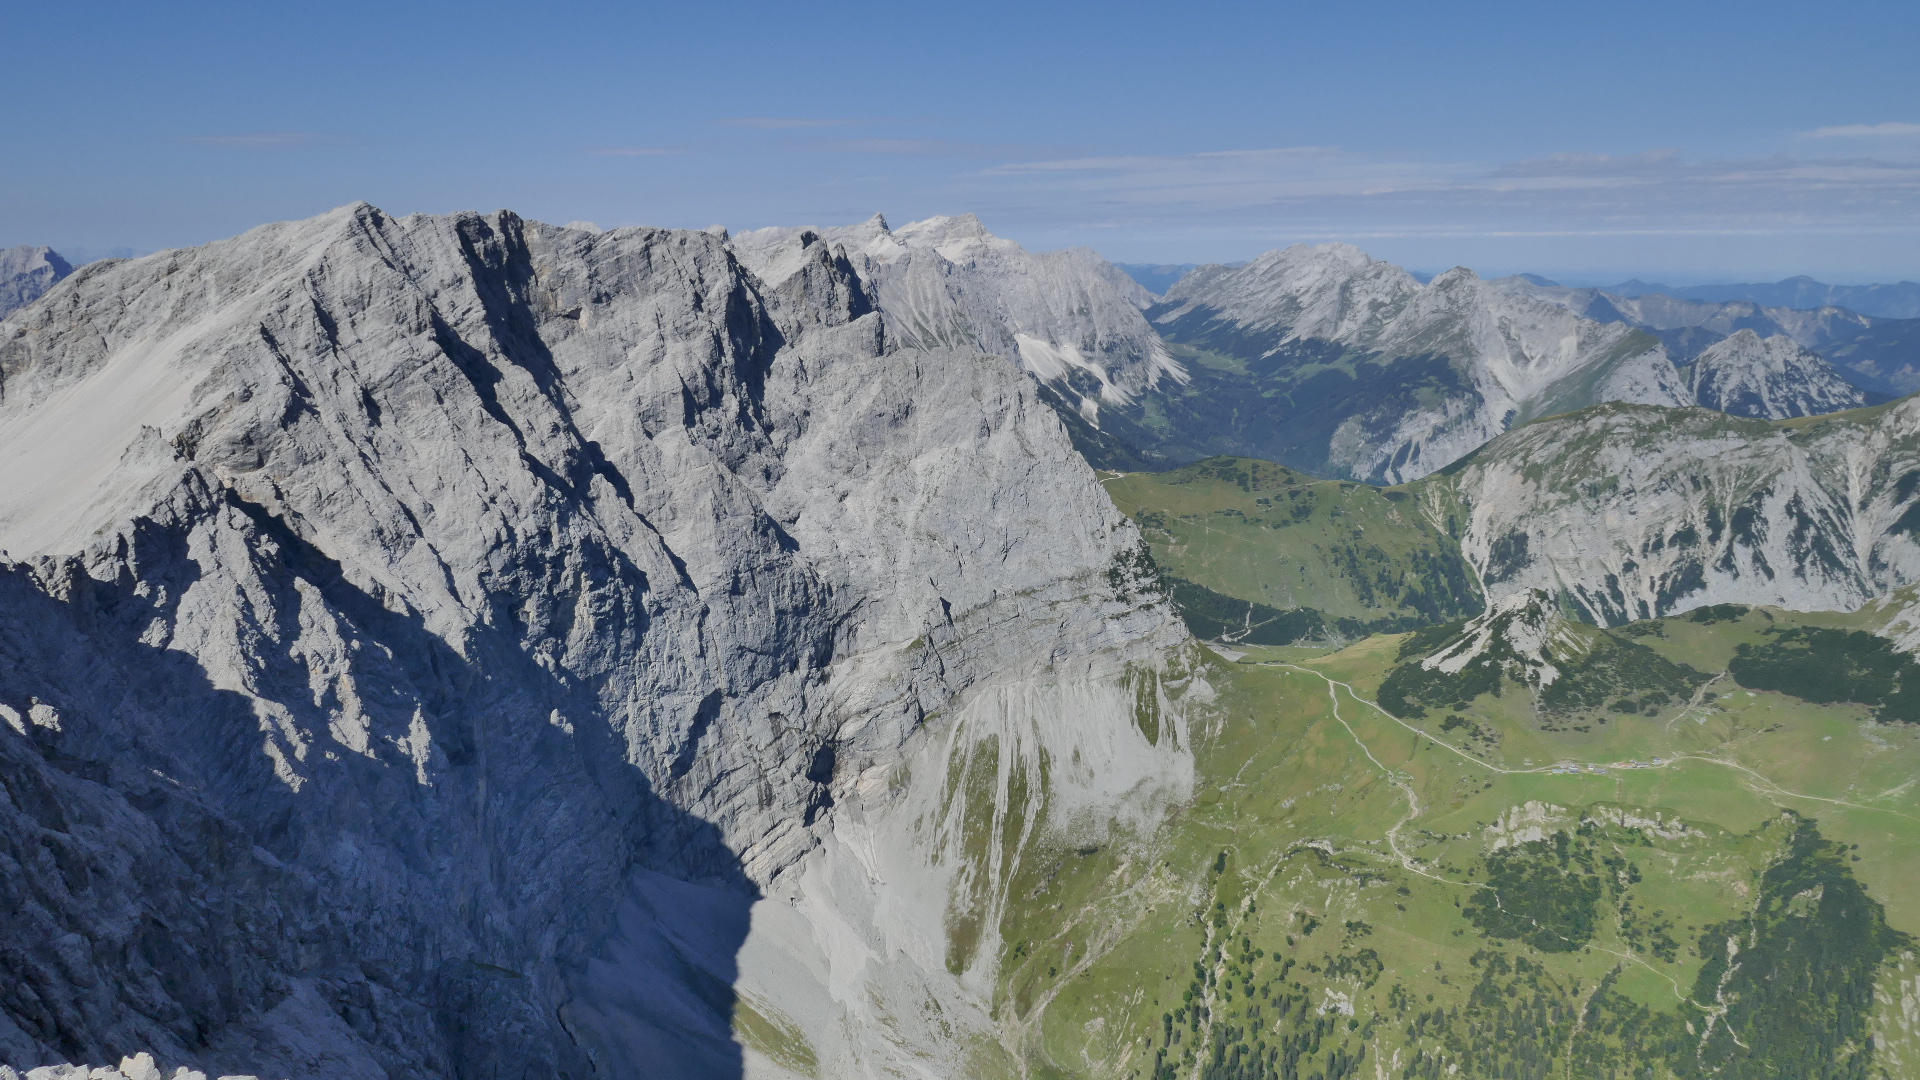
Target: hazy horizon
[(1704, 143), (1579, 278)]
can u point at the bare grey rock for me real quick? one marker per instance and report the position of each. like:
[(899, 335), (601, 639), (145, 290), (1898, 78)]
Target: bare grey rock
[(1773, 379), (26, 273), (1626, 512), (1068, 318), (461, 646), (139, 1066)]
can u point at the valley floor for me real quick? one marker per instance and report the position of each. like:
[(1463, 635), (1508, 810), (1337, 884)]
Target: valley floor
[(1724, 887)]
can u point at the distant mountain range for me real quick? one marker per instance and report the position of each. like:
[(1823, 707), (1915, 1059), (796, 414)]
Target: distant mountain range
[(1322, 358), (1878, 354), (1900, 300), (1897, 301), (1157, 277), (1339, 364)]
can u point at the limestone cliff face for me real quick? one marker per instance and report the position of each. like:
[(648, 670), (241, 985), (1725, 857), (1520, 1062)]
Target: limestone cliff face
[(464, 646), (1624, 512), (1070, 319)]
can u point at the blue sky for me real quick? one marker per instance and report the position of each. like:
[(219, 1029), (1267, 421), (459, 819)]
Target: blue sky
[(1686, 141)]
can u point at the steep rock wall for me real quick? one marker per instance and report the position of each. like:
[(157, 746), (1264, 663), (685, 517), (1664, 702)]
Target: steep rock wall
[(467, 646), (1625, 512)]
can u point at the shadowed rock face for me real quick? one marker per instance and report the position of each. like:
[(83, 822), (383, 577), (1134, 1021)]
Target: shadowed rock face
[(463, 646), (26, 273)]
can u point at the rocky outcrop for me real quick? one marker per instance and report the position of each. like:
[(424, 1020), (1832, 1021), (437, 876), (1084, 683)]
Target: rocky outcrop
[(1069, 318), (139, 1066), (468, 647), (1625, 512), (26, 273), (1772, 379), (1521, 634)]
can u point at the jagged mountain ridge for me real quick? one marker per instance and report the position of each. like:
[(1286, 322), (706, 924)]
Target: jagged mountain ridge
[(26, 273), (1367, 373), (1321, 358), (539, 629), (1877, 353), (1337, 293), (1688, 326), (1069, 318), (1900, 300)]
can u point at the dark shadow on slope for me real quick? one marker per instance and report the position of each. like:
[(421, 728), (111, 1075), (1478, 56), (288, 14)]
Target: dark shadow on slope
[(161, 888)]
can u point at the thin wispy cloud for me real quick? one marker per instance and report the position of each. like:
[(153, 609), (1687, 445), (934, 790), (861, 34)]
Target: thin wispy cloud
[(794, 123), (634, 151), (1249, 177), (925, 148), (1578, 164), (1866, 131), (264, 140), (1270, 153), (1124, 164), (1658, 192)]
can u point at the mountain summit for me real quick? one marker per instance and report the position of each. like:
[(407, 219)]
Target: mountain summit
[(1068, 318), (1774, 378), (457, 645), (26, 273)]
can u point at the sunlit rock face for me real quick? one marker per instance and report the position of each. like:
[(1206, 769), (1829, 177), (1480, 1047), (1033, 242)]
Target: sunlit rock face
[(1772, 378), (461, 646), (1073, 321), (1624, 512)]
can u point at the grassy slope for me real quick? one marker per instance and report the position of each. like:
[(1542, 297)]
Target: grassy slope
[(1265, 533), (1354, 833)]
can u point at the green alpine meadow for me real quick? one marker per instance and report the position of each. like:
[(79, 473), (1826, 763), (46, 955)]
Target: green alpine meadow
[(1435, 834)]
